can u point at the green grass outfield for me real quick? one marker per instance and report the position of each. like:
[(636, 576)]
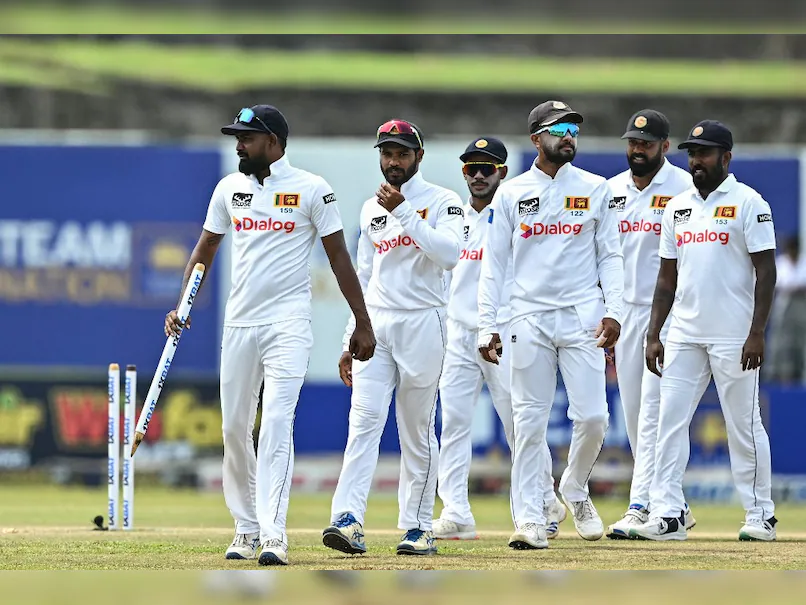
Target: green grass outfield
[(120, 20), (87, 66), (50, 528)]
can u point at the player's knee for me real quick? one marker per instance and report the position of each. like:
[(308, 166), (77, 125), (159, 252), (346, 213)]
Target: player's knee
[(593, 426)]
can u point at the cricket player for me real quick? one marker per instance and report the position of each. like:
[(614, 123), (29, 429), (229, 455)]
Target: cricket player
[(640, 195), (276, 212), (464, 370), (555, 223), (717, 253), (410, 235)]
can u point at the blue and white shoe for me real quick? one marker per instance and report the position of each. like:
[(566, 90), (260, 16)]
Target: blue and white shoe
[(661, 528), (345, 535), (275, 552), (555, 514), (244, 546), (417, 542), (620, 530)]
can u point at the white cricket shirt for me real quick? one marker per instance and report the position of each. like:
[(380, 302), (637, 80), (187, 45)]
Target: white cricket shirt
[(463, 303), (712, 241), (563, 239), (402, 255), (274, 227), (639, 219)]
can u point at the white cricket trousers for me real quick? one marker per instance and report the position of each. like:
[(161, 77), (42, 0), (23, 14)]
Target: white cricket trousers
[(462, 376), (257, 487), (640, 397), (539, 343), (686, 372), (408, 360)]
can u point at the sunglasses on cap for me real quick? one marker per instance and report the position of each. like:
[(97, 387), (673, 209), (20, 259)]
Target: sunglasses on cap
[(561, 129), (246, 115), (485, 168), (396, 127)]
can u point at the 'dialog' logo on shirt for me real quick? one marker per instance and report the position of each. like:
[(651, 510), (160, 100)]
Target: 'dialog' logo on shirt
[(247, 224)]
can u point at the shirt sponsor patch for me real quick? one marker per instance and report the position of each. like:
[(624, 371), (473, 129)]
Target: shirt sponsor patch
[(682, 216), (330, 197), (577, 203), (467, 232), (377, 224), (725, 212), (660, 201), (531, 206), (455, 211), (423, 213), (241, 200), (286, 200), (618, 203), (490, 218), (764, 218)]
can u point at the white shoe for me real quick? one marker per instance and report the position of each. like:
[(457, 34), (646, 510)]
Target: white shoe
[(636, 515), (244, 546), (445, 529), (756, 529), (555, 514), (690, 520), (275, 552), (660, 529), (417, 542), (345, 534), (529, 536), (586, 518)]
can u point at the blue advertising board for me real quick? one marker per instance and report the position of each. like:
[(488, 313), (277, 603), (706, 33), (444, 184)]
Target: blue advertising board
[(777, 179), (93, 245)]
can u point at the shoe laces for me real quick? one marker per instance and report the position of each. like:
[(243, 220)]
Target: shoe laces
[(583, 510), (759, 523), (273, 543), (345, 520), (635, 513), (413, 535), (530, 527), (242, 540)]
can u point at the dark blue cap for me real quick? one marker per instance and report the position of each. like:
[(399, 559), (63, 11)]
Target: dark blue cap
[(265, 118), (709, 133), (489, 146)]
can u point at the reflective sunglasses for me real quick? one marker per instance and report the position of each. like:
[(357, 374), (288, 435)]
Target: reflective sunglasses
[(485, 168), (246, 115), (395, 127), (561, 129)]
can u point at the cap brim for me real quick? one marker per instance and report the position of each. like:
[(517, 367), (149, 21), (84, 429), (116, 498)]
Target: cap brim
[(699, 143), (467, 154), (399, 141), (641, 136), (240, 127)]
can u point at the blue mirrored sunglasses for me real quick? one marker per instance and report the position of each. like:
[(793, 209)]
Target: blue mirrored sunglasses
[(561, 129), (246, 115)]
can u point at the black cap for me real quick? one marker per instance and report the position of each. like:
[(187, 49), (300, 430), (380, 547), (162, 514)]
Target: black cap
[(489, 146), (709, 133), (267, 118), (401, 132), (552, 112), (647, 125)]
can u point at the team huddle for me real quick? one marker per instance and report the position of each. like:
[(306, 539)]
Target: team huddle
[(666, 273)]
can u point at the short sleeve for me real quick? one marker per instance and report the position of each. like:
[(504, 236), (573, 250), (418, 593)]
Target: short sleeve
[(759, 231), (324, 209), (218, 218), (668, 247)]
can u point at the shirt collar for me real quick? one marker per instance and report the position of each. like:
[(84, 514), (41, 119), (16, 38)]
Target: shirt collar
[(413, 185), (277, 169), (727, 184), (563, 170)]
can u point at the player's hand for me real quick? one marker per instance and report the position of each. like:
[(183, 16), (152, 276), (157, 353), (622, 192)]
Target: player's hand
[(493, 350), (346, 368), (654, 355), (362, 343), (389, 197), (607, 332), (173, 325), (753, 352)]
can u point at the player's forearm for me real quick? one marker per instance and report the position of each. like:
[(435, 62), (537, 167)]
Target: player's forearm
[(204, 252), (766, 276), (441, 246), (661, 304), (611, 276), (350, 287)]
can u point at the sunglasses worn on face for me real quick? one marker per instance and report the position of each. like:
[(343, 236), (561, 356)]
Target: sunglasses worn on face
[(485, 168), (395, 127), (246, 115), (561, 129)]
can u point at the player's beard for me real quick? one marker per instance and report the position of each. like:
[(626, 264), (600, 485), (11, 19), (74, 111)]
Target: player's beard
[(249, 165), (397, 176), (485, 194), (710, 178), (558, 153), (649, 165)]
